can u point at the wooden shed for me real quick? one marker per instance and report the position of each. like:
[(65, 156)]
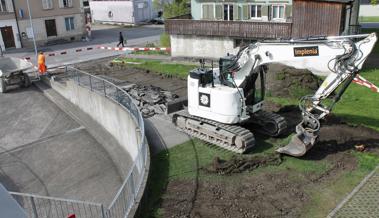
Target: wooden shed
[(322, 17)]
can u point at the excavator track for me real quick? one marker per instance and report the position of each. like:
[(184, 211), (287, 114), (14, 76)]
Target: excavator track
[(231, 137), (268, 123)]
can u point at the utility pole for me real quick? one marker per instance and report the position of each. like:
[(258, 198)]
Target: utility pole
[(31, 26)]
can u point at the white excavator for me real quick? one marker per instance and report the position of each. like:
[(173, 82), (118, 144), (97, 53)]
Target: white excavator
[(221, 100)]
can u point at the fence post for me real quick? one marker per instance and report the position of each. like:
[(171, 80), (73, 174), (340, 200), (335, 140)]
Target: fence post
[(102, 211), (34, 209), (105, 91), (132, 184), (90, 82)]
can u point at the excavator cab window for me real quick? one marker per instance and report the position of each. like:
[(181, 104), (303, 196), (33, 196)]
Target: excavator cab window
[(254, 86), (225, 64)]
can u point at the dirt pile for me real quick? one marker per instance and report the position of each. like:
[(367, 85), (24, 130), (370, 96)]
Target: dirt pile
[(283, 81), (238, 164)]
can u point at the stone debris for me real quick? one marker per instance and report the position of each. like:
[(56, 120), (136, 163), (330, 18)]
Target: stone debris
[(150, 100)]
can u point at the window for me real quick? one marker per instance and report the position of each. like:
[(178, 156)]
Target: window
[(208, 11), (278, 11), (65, 3), (255, 11), (69, 21), (51, 28), (3, 6), (47, 4), (228, 12)]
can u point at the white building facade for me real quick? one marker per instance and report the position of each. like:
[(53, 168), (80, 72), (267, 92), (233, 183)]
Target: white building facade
[(9, 35), (122, 12)]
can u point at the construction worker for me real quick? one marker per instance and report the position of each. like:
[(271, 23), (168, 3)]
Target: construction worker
[(41, 64)]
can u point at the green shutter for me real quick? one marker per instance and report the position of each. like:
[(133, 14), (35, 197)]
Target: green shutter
[(236, 12), (211, 12), (264, 10), (245, 12), (288, 11), (219, 12), (208, 12)]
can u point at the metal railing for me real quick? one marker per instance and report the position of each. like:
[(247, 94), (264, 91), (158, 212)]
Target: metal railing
[(37, 206), (40, 206)]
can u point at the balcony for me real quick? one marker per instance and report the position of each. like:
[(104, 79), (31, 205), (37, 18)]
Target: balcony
[(184, 25)]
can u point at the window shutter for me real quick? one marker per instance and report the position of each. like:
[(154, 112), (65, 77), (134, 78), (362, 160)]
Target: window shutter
[(205, 12), (44, 4), (219, 12), (50, 4), (61, 5), (264, 10), (9, 6), (69, 3), (245, 12), (236, 9), (288, 11), (211, 12)]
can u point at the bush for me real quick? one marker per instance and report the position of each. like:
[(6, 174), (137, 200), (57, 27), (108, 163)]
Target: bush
[(165, 40)]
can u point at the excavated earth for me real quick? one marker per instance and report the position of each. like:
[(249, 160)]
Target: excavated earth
[(266, 194)]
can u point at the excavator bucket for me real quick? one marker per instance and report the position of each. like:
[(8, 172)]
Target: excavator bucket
[(300, 143)]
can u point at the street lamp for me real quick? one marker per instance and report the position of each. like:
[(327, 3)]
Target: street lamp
[(31, 26)]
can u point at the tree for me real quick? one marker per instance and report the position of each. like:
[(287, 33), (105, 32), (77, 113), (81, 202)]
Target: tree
[(176, 8), (374, 2)]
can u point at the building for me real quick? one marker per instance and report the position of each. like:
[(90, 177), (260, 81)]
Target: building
[(54, 21), (215, 28), (122, 12), (368, 10), (9, 37)]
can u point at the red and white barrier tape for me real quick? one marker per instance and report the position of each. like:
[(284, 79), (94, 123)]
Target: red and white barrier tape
[(133, 49), (363, 82), (103, 47)]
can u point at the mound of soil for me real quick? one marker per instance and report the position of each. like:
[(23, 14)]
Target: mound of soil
[(238, 164), (283, 81)]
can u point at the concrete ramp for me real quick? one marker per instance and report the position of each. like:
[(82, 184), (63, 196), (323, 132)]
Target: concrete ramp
[(44, 151)]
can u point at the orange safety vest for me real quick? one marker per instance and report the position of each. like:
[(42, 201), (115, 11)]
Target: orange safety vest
[(41, 64), (41, 59)]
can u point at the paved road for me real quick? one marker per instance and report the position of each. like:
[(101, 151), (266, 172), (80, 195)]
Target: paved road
[(102, 35), (44, 151)]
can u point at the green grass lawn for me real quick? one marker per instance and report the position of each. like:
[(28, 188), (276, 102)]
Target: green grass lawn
[(359, 105), (169, 69), (368, 19)]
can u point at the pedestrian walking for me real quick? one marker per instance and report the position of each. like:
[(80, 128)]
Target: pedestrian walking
[(41, 64), (121, 40), (88, 29)]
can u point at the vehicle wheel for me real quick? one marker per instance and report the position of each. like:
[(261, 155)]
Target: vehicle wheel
[(27, 81), (3, 87)]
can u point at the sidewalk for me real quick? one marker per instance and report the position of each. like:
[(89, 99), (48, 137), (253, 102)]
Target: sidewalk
[(363, 201)]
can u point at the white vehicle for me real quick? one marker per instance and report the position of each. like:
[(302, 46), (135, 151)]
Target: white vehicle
[(13, 71), (219, 100)]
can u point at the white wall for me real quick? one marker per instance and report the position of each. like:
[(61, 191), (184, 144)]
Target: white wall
[(122, 11), (198, 47), (12, 23), (40, 28), (369, 11)]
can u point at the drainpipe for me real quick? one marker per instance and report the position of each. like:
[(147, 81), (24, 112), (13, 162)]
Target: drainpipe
[(31, 25), (18, 27)]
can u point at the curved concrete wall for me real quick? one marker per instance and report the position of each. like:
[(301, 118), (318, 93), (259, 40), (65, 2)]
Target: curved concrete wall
[(112, 117)]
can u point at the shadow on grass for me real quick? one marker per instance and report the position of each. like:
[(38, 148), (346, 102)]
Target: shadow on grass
[(156, 185)]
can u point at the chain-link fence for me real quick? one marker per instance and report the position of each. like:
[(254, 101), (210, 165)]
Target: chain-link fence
[(48, 207)]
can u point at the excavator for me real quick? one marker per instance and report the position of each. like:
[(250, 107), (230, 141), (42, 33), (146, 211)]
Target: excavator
[(221, 100)]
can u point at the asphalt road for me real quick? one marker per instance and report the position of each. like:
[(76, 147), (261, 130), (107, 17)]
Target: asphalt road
[(101, 35)]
